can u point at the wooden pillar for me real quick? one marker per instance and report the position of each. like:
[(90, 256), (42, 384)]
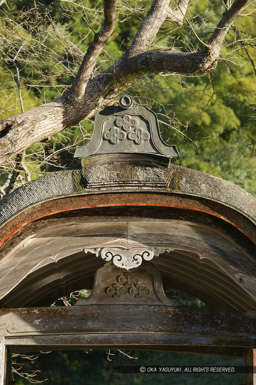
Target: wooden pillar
[(254, 366), (251, 362), (3, 362)]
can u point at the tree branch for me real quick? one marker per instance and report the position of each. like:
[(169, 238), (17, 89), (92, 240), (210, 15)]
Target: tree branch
[(95, 49), (177, 15), (149, 27), (150, 62), (9, 184), (225, 23), (243, 44), (19, 132), (23, 130)]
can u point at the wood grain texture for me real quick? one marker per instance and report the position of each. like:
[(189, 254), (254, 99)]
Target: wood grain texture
[(129, 318), (51, 261)]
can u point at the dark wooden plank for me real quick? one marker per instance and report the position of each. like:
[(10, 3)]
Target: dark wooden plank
[(127, 324), (129, 341)]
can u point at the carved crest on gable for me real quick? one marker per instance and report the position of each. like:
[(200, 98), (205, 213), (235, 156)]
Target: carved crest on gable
[(127, 283), (115, 286), (125, 127)]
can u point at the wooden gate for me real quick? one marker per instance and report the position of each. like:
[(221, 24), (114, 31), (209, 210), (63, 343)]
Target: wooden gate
[(130, 225)]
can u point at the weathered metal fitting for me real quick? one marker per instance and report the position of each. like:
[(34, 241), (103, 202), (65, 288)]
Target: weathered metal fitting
[(126, 101), (126, 129)]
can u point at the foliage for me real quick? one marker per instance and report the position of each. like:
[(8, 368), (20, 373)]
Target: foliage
[(210, 118)]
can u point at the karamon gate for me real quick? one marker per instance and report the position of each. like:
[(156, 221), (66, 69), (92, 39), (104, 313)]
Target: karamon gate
[(130, 225)]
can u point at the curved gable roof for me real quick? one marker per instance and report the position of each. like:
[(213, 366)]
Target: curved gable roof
[(206, 224)]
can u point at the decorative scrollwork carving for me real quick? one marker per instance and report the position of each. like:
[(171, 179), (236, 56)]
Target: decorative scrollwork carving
[(126, 259)]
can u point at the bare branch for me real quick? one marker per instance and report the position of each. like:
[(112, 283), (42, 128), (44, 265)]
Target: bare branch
[(225, 23), (19, 165), (149, 27), (19, 132), (44, 121), (95, 49), (177, 15), (109, 354), (18, 85), (9, 184), (243, 44), (127, 355), (194, 32)]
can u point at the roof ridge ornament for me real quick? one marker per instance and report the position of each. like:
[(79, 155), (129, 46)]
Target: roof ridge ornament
[(126, 129)]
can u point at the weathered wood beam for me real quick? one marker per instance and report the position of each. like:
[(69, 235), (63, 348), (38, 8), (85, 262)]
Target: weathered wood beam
[(132, 341), (127, 324)]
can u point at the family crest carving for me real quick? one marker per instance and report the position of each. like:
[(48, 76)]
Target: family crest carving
[(115, 286), (127, 283), (126, 127)]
